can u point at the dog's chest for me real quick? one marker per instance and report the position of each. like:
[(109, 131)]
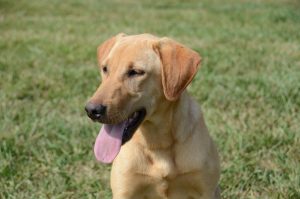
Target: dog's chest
[(168, 178), (161, 164), (161, 174)]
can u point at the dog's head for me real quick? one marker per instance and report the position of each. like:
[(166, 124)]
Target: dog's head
[(137, 72)]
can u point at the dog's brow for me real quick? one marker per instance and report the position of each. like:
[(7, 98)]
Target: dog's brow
[(104, 62), (130, 65)]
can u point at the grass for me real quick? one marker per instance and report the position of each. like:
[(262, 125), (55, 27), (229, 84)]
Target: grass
[(248, 86)]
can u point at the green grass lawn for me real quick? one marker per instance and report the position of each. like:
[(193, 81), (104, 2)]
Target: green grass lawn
[(248, 86)]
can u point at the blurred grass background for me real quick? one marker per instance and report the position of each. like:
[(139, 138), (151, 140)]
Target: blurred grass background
[(248, 87)]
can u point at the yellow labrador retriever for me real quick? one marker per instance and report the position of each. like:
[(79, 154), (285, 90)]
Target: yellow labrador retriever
[(153, 132)]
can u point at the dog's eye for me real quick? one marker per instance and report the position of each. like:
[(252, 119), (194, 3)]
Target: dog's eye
[(104, 69), (135, 72)]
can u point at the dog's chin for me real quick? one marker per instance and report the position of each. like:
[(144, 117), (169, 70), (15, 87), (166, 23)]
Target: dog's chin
[(131, 123)]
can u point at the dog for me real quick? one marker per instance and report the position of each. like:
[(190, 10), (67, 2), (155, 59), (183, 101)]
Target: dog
[(153, 132)]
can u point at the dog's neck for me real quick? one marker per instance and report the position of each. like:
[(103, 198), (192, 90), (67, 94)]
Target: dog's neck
[(168, 125)]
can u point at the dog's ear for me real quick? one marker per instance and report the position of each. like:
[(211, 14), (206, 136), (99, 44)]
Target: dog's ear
[(104, 49), (179, 66)]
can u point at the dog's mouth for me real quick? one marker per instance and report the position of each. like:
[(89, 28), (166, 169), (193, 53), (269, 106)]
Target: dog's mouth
[(112, 136), (132, 123)]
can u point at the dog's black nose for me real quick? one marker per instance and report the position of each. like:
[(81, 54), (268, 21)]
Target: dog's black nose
[(95, 111)]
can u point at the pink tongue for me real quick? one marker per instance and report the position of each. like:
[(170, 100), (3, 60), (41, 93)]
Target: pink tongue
[(108, 142)]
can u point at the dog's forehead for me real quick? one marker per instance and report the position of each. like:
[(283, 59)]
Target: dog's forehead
[(133, 49)]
